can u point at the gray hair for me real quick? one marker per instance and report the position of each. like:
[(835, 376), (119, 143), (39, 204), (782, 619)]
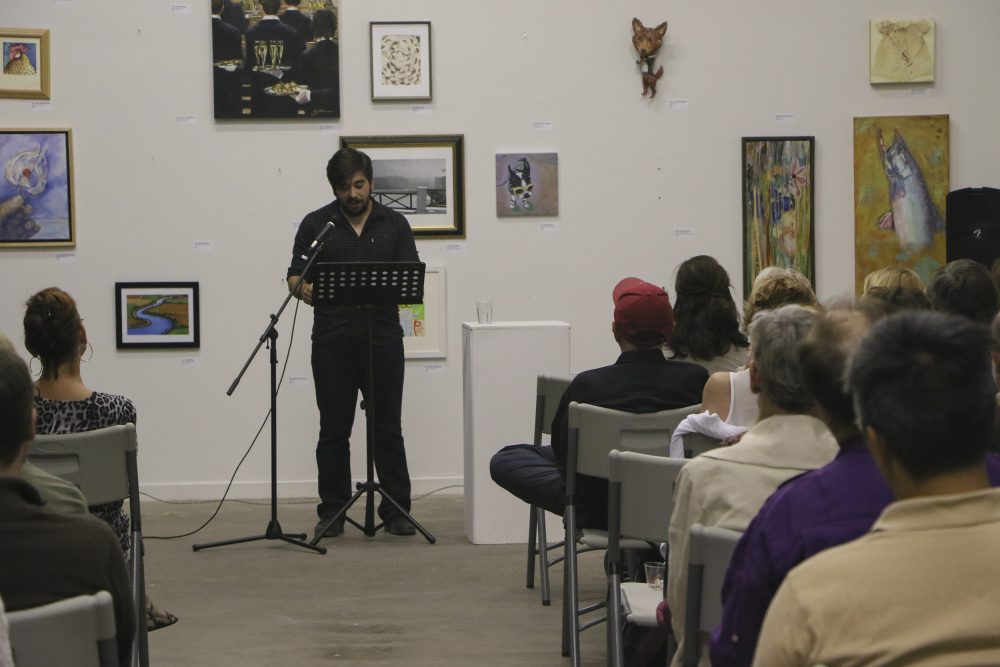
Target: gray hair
[(775, 336)]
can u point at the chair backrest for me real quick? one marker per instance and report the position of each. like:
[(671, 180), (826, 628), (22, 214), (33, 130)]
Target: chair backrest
[(76, 632), (549, 391), (696, 443), (594, 431), (709, 552), (96, 461), (645, 497)]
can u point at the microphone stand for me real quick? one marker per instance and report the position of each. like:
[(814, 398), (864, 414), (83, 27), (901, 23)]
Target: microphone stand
[(270, 336)]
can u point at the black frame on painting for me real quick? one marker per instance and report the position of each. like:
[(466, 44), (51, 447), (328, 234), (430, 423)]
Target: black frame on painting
[(790, 189), (124, 339), (14, 213), (454, 144), (386, 97)]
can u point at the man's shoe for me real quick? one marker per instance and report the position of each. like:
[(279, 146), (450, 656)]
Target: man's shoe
[(336, 528), (400, 525)]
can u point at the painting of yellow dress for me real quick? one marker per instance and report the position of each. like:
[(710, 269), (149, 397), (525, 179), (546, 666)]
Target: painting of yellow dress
[(901, 51), (901, 180)]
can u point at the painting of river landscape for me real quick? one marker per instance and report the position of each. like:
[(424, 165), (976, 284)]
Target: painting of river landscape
[(157, 315)]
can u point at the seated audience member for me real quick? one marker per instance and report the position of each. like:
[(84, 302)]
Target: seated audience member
[(965, 287), (895, 299), (58, 495), (892, 276), (54, 333), (726, 486), (295, 19), (48, 557), (921, 587), (728, 395), (642, 380), (708, 327)]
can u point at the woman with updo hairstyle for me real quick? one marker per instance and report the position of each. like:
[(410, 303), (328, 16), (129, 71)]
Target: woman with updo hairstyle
[(891, 277), (708, 325), (57, 340)]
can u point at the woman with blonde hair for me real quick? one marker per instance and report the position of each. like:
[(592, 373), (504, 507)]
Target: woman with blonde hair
[(891, 277), (56, 338)]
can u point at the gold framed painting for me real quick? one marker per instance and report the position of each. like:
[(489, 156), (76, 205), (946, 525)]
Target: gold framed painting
[(26, 68), (36, 188)]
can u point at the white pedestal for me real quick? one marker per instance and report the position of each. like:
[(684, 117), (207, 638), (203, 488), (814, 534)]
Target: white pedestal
[(500, 363)]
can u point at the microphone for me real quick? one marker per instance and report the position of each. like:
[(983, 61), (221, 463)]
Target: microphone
[(319, 238)]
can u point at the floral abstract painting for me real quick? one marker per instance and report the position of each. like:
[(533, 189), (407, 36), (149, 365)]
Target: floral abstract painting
[(778, 207), (36, 189), (901, 181)]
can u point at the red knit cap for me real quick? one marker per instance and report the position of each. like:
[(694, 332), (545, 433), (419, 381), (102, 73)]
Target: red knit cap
[(643, 315)]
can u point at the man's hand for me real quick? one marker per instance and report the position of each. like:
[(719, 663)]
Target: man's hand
[(305, 292), (15, 223)]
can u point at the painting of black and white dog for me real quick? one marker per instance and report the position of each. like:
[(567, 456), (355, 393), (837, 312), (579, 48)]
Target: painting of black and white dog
[(519, 184)]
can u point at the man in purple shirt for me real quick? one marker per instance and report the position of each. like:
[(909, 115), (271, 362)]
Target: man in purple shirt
[(814, 511)]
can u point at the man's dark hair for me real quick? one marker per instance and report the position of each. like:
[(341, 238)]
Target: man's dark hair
[(16, 391), (708, 323), (923, 381), (270, 7), (345, 163), (324, 24), (965, 287), (217, 6), (823, 357)]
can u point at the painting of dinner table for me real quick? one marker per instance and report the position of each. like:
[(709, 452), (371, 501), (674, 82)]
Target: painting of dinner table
[(275, 59), (157, 315)]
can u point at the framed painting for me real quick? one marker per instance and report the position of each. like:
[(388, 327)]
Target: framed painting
[(425, 325), (901, 183), (421, 176), (778, 206), (282, 69), (157, 315), (901, 51), (26, 67), (527, 184), (36, 192), (400, 60)]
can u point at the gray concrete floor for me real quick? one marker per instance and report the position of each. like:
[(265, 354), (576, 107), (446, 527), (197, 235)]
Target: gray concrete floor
[(384, 600)]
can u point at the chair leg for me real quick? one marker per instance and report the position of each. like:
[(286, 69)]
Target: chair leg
[(616, 649), (571, 603), (543, 557), (532, 551)]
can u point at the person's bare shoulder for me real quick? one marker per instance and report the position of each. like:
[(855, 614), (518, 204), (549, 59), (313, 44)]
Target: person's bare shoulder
[(715, 395)]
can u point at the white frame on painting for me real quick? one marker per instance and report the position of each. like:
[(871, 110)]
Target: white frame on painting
[(400, 49), (433, 344)]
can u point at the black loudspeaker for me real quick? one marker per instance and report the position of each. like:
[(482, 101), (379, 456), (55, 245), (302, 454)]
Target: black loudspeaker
[(973, 227)]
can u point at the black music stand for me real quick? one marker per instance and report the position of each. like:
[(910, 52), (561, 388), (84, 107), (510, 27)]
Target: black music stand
[(369, 284)]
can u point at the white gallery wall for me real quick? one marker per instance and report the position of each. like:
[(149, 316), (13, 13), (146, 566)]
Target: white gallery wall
[(164, 193)]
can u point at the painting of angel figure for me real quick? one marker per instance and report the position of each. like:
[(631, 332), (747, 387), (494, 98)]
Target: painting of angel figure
[(901, 51), (778, 208), (527, 184), (36, 196), (901, 182)]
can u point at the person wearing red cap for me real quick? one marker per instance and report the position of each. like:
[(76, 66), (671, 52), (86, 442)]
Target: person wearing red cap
[(641, 380)]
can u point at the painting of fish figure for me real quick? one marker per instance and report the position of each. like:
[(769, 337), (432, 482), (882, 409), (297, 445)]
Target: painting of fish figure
[(901, 182), (157, 314)]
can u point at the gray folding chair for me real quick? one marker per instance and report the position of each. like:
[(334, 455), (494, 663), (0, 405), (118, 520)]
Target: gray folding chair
[(640, 502), (593, 433), (549, 391), (709, 552), (75, 632), (696, 443), (103, 464)]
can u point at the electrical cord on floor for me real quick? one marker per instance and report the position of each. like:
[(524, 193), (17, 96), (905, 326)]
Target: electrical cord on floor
[(293, 501), (229, 485)]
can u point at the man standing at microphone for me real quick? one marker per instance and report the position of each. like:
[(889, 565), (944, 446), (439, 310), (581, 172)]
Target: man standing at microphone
[(357, 229)]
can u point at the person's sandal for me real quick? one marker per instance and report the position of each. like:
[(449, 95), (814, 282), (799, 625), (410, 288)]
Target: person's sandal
[(156, 618)]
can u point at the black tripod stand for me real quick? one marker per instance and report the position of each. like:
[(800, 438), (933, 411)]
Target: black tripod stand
[(270, 336), (369, 284)]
